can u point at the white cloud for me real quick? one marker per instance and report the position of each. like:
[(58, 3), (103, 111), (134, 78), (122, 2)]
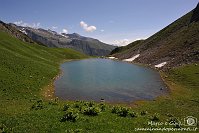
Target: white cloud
[(102, 30), (65, 31), (33, 25), (54, 27), (86, 27), (83, 24), (18, 22), (121, 42)]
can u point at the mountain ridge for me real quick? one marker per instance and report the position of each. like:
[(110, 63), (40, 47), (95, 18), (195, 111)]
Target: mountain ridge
[(49, 38), (15, 32), (176, 44)]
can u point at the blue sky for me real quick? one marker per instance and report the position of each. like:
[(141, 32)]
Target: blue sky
[(111, 21)]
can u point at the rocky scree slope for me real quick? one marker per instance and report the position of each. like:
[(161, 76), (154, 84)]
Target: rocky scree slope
[(177, 44)]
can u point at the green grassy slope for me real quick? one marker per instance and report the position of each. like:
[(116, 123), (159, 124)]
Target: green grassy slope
[(183, 99), (26, 68)]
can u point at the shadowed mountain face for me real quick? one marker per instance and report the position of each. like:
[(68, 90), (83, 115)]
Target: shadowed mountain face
[(75, 41), (195, 16), (176, 44)]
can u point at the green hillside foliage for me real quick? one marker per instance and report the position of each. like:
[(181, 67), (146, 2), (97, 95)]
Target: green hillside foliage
[(26, 68)]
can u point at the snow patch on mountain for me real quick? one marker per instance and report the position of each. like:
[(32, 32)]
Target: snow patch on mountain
[(160, 65), (132, 58), (23, 31)]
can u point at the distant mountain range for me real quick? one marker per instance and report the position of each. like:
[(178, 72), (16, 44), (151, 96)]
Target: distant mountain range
[(175, 45), (75, 41)]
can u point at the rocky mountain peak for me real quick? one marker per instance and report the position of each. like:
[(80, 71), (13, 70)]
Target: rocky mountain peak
[(50, 38)]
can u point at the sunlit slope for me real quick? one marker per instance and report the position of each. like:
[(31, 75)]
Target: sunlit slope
[(25, 68)]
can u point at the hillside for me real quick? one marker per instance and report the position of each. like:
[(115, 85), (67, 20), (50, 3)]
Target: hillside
[(176, 44), (24, 66), (75, 41), (124, 49), (14, 32), (27, 72)]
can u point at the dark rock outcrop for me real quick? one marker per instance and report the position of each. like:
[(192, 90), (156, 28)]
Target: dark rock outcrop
[(195, 16)]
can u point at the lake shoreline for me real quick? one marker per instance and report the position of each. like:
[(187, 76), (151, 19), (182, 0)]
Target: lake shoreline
[(48, 91)]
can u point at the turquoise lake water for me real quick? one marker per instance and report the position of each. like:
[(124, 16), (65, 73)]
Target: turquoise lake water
[(114, 81)]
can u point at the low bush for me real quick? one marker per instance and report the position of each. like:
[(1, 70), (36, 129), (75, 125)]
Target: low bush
[(52, 103), (38, 105), (102, 107), (115, 109), (77, 105), (91, 104), (143, 112), (66, 107), (70, 116), (123, 112), (91, 111), (133, 114)]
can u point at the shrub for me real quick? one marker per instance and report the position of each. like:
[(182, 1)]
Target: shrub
[(123, 112), (115, 109), (70, 116), (143, 112), (91, 104), (80, 105), (53, 102), (102, 107), (133, 114), (38, 105), (77, 105), (66, 107), (92, 111)]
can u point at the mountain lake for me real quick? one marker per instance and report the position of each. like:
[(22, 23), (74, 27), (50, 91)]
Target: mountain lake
[(109, 80)]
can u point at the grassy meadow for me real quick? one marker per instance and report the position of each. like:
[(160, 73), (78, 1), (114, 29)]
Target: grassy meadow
[(25, 69)]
